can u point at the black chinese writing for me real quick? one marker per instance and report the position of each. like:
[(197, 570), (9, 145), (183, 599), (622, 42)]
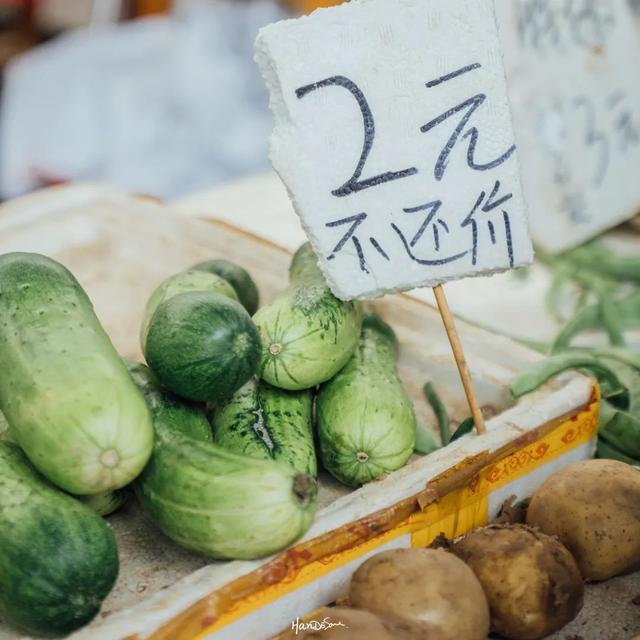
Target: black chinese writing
[(354, 184), (599, 131), (354, 222), (353, 227), (479, 213), (468, 108), (558, 25), (482, 205)]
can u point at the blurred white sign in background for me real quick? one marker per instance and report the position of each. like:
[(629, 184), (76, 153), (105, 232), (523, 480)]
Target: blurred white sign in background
[(574, 84)]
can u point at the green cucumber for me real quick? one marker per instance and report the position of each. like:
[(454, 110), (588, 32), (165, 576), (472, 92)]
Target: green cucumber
[(366, 421), (239, 279), (58, 559), (107, 502), (5, 430), (202, 346), (308, 335), (182, 283), (70, 402), (218, 503), (168, 409), (222, 504), (269, 423)]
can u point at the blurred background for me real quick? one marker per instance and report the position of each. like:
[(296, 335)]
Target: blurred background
[(157, 97)]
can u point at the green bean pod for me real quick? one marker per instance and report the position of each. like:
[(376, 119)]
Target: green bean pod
[(608, 451), (540, 372), (621, 429), (626, 312), (595, 257), (440, 411)]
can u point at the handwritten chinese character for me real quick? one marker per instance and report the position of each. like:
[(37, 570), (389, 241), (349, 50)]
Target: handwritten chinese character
[(468, 109)]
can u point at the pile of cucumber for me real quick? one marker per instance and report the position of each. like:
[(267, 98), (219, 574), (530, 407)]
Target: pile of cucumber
[(216, 435)]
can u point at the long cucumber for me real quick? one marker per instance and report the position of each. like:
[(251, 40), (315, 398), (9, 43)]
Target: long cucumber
[(5, 430), (269, 423), (366, 421), (71, 404), (218, 503), (168, 408), (58, 559)]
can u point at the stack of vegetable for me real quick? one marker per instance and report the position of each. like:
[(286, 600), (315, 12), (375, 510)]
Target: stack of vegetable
[(215, 435), (522, 582), (311, 341)]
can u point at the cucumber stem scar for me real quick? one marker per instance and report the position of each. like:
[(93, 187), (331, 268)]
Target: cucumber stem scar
[(110, 458), (275, 349), (361, 456)]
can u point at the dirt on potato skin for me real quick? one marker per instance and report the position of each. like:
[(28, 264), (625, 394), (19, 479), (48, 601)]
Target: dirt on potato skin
[(593, 508), (532, 583)]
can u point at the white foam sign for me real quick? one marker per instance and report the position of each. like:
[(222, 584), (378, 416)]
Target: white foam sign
[(574, 84), (393, 136)]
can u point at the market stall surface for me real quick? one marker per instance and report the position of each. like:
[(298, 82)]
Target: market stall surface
[(611, 612)]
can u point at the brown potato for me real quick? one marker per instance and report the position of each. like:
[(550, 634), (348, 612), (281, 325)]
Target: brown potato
[(531, 581), (593, 507), (344, 623), (429, 588)]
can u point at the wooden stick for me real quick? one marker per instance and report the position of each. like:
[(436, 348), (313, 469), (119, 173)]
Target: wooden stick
[(458, 354)]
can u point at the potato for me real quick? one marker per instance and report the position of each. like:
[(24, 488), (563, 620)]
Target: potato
[(531, 581), (429, 588), (593, 507), (351, 624)]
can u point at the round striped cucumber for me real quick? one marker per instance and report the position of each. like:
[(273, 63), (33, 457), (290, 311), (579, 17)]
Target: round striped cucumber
[(307, 334), (71, 404), (219, 503), (182, 283), (238, 277), (269, 423), (366, 422), (202, 346), (58, 559)]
